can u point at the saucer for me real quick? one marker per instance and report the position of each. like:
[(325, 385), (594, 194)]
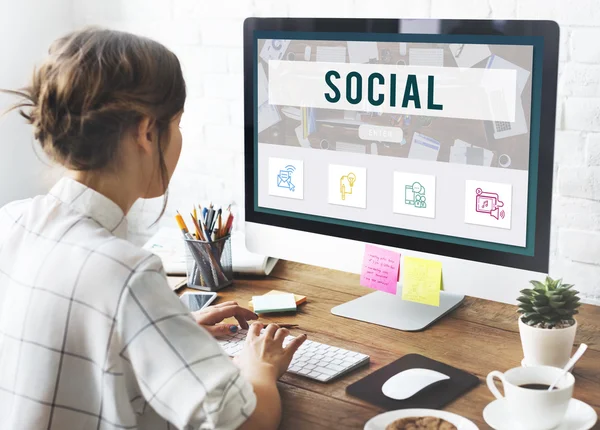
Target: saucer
[(381, 421), (579, 416)]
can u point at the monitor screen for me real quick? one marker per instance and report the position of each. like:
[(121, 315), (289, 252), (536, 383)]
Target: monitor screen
[(429, 136)]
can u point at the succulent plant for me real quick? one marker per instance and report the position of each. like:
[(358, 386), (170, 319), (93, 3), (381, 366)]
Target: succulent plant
[(550, 304)]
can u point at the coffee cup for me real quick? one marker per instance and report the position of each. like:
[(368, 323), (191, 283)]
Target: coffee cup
[(529, 403)]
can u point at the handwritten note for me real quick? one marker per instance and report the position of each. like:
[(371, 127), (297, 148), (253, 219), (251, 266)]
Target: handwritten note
[(422, 281), (380, 269)]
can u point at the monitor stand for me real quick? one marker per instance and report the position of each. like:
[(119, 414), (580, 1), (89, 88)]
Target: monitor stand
[(391, 311)]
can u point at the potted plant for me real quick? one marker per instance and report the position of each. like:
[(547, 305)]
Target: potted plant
[(547, 324)]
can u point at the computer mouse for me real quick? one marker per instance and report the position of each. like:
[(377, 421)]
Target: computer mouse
[(307, 51), (403, 47), (409, 382)]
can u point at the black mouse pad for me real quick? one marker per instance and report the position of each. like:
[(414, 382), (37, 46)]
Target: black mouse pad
[(433, 397)]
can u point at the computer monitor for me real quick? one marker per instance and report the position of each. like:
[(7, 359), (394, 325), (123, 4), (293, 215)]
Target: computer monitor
[(431, 137)]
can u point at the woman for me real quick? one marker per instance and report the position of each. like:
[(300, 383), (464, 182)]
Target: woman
[(91, 336)]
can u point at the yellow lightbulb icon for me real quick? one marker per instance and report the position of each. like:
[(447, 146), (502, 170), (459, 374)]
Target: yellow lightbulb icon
[(346, 184)]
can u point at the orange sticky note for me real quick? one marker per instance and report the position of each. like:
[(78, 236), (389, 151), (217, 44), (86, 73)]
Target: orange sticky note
[(380, 269), (422, 281), (299, 299)]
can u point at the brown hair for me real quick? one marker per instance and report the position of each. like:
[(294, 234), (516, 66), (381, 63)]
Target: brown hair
[(95, 85)]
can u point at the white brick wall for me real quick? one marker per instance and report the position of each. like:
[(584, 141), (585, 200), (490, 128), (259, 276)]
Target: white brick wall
[(207, 36)]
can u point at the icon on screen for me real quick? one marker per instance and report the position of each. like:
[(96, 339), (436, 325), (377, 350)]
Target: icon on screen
[(284, 178), (414, 195), (346, 184), (489, 203)]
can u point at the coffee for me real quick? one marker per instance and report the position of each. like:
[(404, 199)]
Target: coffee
[(542, 387)]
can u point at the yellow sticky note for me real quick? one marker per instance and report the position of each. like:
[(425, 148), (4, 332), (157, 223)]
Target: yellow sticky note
[(422, 281)]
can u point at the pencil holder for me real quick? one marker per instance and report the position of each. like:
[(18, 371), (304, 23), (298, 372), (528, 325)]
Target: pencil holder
[(208, 264)]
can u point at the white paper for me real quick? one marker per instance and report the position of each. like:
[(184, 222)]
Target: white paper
[(467, 55), (267, 116), (458, 153), (168, 244), (362, 52), (423, 148), (273, 303)]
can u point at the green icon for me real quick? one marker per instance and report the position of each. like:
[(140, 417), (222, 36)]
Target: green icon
[(346, 184), (414, 195)]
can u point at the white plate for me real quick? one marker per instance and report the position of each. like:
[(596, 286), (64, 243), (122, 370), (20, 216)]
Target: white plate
[(579, 416), (382, 420)]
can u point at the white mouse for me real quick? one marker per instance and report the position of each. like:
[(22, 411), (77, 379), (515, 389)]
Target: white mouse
[(374, 148), (409, 382), (307, 53), (403, 47)]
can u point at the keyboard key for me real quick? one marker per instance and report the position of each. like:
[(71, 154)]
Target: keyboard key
[(335, 367), (314, 374), (326, 371), (304, 371), (323, 378)]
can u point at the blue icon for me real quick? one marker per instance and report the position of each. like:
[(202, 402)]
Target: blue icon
[(284, 178)]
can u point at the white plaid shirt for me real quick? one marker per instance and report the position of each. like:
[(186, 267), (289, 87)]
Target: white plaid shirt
[(91, 336)]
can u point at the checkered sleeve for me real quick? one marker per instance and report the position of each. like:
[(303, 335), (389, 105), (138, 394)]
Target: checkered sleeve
[(180, 369)]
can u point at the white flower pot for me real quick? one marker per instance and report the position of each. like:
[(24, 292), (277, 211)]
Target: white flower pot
[(546, 347)]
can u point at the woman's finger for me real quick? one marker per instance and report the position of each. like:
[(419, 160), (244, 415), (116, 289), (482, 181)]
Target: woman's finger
[(220, 305), (221, 329), (254, 330), (271, 330), (219, 314), (295, 343), (280, 335)]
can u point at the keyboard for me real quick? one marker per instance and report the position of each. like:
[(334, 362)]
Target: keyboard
[(426, 57), (313, 360), (502, 126)]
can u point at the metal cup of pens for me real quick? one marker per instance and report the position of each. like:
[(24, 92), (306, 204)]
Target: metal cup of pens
[(208, 250), (208, 264)]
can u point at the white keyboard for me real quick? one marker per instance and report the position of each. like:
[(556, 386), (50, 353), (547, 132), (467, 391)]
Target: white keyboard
[(313, 359), (426, 57)]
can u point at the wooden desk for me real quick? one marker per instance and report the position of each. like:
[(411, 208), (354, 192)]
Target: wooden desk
[(479, 337)]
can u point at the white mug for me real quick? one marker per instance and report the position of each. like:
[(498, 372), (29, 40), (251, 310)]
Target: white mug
[(534, 409)]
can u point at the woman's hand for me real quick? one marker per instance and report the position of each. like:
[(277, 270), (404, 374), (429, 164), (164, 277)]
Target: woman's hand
[(211, 317), (264, 354)]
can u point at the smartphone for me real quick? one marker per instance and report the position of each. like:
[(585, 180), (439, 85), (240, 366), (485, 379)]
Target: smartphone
[(197, 300)]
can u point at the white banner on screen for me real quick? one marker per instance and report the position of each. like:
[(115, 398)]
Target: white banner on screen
[(473, 93)]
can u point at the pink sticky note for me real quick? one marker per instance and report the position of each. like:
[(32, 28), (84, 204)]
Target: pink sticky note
[(380, 269)]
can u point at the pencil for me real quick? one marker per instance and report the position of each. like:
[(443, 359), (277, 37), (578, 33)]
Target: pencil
[(219, 223), (197, 226), (182, 226)]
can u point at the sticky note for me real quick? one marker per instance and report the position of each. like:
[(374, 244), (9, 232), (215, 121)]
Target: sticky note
[(299, 298), (422, 281), (380, 269), (274, 303)]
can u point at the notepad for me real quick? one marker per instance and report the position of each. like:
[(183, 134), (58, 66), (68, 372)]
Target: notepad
[(274, 303), (299, 298), (422, 281), (380, 269)]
